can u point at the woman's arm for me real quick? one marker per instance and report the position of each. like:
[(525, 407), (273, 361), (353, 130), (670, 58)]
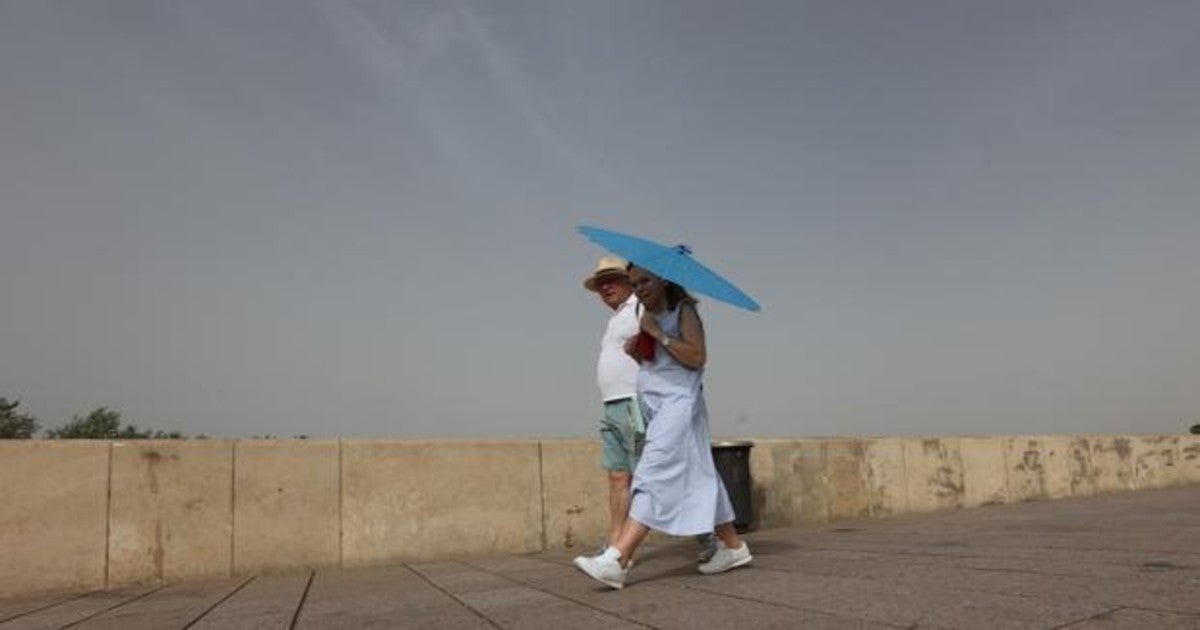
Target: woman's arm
[(688, 348)]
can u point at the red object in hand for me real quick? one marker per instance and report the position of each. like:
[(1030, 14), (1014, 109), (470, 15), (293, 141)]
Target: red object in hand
[(646, 346)]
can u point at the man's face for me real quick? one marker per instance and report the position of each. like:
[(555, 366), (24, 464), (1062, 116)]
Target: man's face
[(614, 289)]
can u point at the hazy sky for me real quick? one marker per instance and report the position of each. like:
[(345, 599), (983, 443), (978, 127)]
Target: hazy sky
[(357, 218)]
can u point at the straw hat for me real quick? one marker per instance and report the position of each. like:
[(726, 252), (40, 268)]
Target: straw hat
[(608, 266)]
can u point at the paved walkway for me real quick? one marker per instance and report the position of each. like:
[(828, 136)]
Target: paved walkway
[(1128, 560)]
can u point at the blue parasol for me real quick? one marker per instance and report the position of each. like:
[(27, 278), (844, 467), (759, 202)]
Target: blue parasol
[(673, 263)]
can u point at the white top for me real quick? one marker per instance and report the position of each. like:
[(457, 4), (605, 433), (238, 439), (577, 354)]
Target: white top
[(676, 488), (616, 372)]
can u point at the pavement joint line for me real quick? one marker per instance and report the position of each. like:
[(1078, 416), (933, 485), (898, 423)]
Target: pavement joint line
[(1169, 611), (966, 589), (115, 606), (48, 606), (456, 598), (977, 556), (220, 601), (898, 553), (303, 599), (1099, 615), (559, 595), (767, 602)]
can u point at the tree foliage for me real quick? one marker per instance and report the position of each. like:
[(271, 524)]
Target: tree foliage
[(1196, 429), (13, 425), (105, 424)]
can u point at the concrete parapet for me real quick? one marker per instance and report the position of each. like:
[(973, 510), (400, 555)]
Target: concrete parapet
[(1038, 467), (1155, 461), (886, 486), (53, 515), (847, 491), (79, 515), (934, 474), (1189, 458), (789, 476), (1111, 457), (171, 511), (286, 505), (575, 495), (419, 500), (984, 471)]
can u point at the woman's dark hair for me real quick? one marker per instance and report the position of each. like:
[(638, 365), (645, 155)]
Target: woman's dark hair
[(675, 293)]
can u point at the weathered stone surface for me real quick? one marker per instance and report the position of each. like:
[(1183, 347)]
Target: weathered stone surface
[(1038, 467), (53, 507), (1112, 462), (171, 514), (575, 502), (406, 499), (1155, 461), (286, 507), (846, 473), (887, 485), (1082, 474), (789, 479), (985, 471), (1189, 458), (934, 472)]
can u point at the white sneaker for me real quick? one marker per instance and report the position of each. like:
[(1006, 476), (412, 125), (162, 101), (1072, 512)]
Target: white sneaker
[(725, 559), (600, 552), (604, 568)]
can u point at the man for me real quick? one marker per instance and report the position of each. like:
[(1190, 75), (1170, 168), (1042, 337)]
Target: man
[(621, 431)]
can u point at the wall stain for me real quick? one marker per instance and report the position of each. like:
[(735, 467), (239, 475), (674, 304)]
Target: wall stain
[(1083, 474), (1031, 464), (944, 483), (152, 460), (159, 552)]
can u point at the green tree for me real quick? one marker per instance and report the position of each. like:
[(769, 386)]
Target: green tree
[(105, 424), (1195, 428), (13, 425)]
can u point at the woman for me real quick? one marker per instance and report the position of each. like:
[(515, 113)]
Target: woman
[(676, 488)]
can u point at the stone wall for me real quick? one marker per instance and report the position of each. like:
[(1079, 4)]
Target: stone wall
[(82, 515)]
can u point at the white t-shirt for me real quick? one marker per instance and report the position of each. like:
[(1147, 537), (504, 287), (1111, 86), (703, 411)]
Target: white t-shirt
[(616, 372)]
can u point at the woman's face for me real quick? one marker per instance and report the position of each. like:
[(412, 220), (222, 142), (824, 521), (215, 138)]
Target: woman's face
[(650, 289)]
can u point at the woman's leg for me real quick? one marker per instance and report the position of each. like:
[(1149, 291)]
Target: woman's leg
[(631, 538), (728, 535)]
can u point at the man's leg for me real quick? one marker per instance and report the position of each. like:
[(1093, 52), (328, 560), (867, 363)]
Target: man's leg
[(618, 438), (618, 503)]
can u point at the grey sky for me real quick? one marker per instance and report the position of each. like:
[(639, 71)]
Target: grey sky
[(357, 218)]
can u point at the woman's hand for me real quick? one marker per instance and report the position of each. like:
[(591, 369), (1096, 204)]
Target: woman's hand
[(631, 348)]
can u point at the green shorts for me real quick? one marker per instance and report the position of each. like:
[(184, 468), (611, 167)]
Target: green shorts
[(623, 435)]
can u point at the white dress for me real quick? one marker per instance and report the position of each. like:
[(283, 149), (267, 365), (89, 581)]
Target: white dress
[(676, 488)]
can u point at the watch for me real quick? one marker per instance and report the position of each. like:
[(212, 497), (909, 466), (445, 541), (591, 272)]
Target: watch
[(666, 341)]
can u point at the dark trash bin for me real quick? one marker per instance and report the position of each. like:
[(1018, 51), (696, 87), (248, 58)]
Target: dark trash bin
[(732, 459)]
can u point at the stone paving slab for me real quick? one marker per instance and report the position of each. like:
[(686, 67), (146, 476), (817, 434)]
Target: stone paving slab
[(78, 609), (266, 602), (175, 606), (1129, 560), (21, 606)]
